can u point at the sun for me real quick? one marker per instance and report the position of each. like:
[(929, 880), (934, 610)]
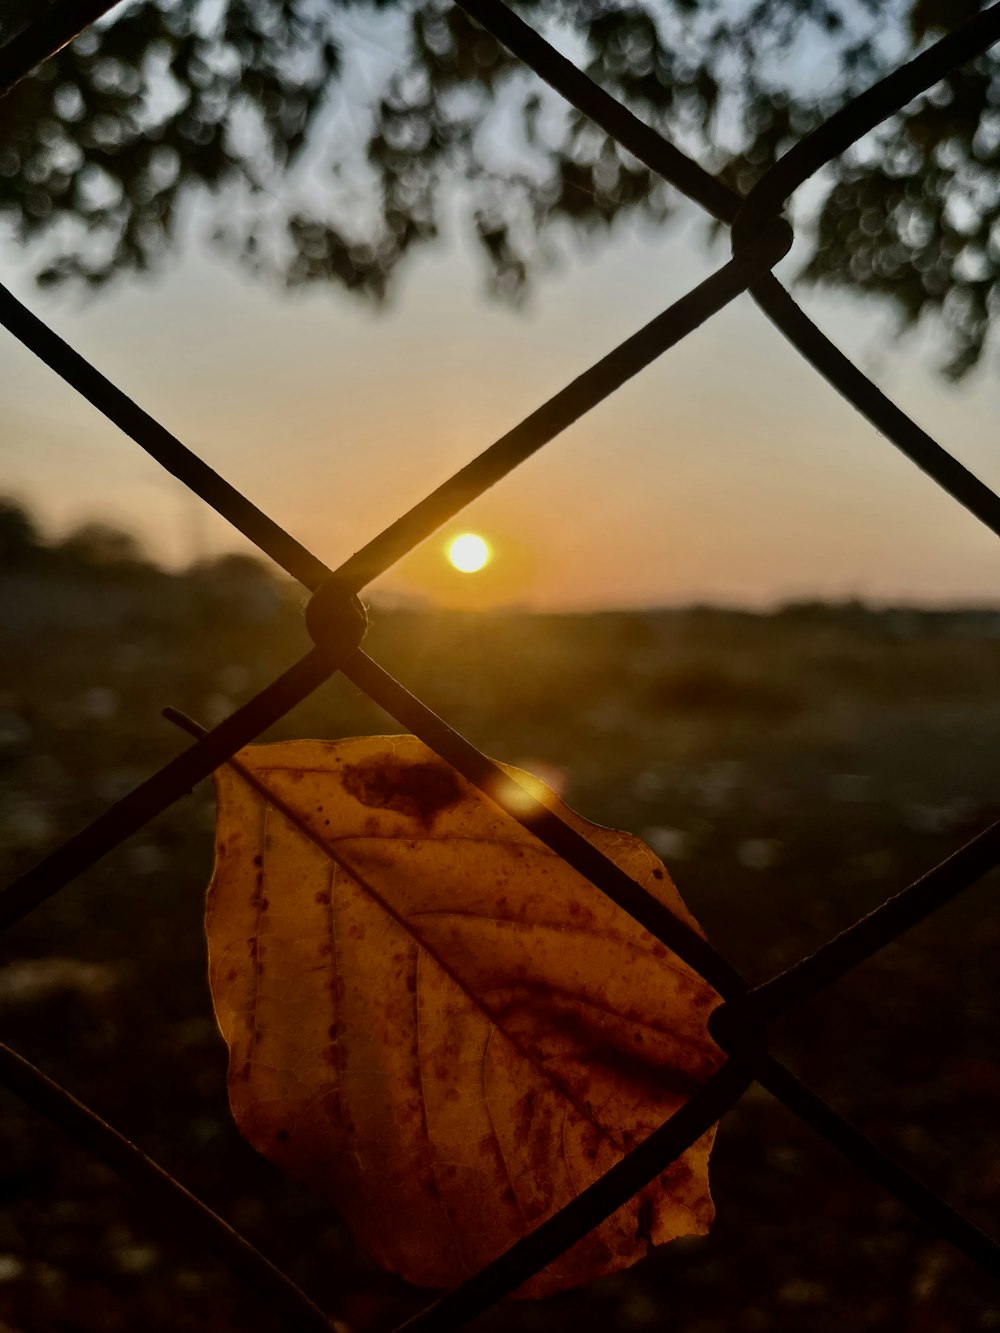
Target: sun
[(469, 552)]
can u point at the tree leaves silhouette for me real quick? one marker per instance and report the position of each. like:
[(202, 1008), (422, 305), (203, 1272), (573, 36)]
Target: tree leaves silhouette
[(322, 142)]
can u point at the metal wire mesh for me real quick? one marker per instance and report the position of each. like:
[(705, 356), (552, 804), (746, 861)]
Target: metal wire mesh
[(761, 237)]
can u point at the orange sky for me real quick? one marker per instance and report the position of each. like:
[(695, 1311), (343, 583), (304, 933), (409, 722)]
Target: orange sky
[(727, 472)]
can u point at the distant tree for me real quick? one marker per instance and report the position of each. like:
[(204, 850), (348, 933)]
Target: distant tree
[(103, 547), (237, 586), (19, 541), (251, 106), (233, 570)]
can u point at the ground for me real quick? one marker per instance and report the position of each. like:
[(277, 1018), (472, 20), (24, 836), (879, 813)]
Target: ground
[(792, 770)]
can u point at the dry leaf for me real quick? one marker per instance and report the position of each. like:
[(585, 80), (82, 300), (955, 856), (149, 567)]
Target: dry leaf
[(436, 1022)]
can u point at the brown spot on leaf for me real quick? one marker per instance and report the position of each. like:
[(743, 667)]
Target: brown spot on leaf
[(524, 1114), (419, 791)]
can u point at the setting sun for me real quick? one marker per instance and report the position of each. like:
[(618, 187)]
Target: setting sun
[(468, 552)]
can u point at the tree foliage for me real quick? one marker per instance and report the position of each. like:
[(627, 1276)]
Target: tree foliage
[(321, 140)]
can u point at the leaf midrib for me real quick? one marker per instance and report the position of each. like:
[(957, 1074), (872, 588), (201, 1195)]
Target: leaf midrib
[(319, 841)]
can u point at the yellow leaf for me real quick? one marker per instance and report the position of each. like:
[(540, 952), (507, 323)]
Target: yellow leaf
[(437, 1023)]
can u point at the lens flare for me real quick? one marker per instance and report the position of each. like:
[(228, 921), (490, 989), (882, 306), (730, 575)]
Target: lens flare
[(468, 552)]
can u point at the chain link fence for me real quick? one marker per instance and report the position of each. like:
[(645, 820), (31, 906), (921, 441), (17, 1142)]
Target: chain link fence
[(336, 623)]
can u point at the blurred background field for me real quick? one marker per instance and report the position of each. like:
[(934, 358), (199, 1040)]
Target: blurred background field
[(792, 769)]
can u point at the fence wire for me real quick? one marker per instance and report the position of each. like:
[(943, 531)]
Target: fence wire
[(761, 237)]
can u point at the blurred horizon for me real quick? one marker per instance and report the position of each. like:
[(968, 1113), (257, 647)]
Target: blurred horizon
[(113, 554)]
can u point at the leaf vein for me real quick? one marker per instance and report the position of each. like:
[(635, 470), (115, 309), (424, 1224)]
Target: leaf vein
[(256, 935), (613, 1013), (459, 1241), (493, 1125), (338, 1018), (668, 961)]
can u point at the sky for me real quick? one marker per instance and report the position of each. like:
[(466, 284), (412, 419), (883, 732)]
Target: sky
[(727, 472)]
